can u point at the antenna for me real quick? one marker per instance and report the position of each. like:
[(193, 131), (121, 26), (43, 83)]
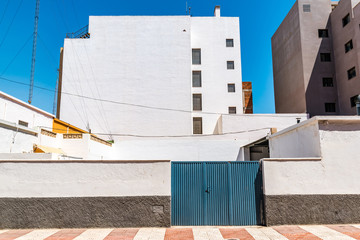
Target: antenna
[(186, 9), (34, 50), (56, 92)]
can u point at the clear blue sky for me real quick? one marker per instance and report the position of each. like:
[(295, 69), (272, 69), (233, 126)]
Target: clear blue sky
[(258, 21)]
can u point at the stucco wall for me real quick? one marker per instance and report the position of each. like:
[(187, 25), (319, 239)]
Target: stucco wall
[(83, 179), (12, 141)]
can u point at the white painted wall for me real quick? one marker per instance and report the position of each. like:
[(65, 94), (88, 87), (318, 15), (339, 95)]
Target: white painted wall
[(336, 173), (75, 179), (12, 141)]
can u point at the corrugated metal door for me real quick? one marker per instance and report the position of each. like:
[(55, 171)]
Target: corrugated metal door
[(216, 193)]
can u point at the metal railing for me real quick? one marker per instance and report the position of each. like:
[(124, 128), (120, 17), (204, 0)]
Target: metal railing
[(81, 33)]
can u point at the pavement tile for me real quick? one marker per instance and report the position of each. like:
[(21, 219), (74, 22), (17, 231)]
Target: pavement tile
[(179, 234), (235, 233), (326, 233), (347, 230), (150, 234), (207, 233), (295, 233), (122, 234), (13, 234), (38, 234), (94, 234), (66, 234)]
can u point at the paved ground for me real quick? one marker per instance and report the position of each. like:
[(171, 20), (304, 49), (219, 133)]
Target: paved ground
[(333, 232)]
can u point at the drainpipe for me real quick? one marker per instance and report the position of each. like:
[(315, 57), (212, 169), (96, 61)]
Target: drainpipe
[(357, 101)]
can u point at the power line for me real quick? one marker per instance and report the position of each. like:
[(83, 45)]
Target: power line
[(169, 136), (126, 104), (11, 23), (16, 55), (5, 9)]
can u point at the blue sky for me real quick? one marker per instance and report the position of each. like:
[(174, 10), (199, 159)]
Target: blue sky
[(258, 21)]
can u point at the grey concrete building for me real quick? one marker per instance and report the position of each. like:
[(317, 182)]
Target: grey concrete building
[(316, 52)]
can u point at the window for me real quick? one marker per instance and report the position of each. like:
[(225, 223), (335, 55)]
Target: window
[(197, 125), (351, 73), (230, 65), (323, 33), (196, 56), (232, 110), (328, 82), (229, 42), (325, 57), (348, 46), (231, 87), (306, 8), (197, 105), (196, 79), (353, 100), (346, 20), (22, 123), (330, 107)]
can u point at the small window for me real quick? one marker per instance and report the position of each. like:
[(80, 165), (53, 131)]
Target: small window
[(346, 20), (306, 8), (348, 46), (196, 56), (197, 102), (231, 87), (353, 100), (351, 73), (232, 110), (196, 79), (22, 123), (328, 82), (325, 57), (229, 42), (230, 65), (323, 33), (330, 107), (197, 125)]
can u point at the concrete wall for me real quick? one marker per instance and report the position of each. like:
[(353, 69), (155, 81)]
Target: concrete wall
[(309, 189), (57, 194), (345, 61)]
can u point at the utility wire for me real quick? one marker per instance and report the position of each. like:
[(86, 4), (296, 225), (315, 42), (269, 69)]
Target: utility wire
[(170, 136), (11, 23), (124, 103), (16, 55), (5, 9)]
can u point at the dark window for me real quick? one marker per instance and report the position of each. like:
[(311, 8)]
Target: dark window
[(351, 73), (22, 123), (325, 57), (197, 103), (306, 8), (353, 100), (330, 107), (328, 82), (229, 43), (346, 20), (196, 79), (196, 56), (230, 65), (197, 125), (323, 33), (348, 46), (232, 110), (231, 87)]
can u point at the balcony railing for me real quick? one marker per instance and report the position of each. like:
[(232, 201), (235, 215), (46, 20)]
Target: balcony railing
[(81, 33)]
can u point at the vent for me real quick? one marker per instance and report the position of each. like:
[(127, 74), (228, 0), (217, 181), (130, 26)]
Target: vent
[(307, 8)]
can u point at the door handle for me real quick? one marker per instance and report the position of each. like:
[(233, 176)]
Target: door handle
[(208, 189)]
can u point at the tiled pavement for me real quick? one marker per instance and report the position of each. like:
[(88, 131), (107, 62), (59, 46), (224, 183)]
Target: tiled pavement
[(332, 232)]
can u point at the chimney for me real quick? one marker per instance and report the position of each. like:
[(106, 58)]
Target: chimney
[(217, 11)]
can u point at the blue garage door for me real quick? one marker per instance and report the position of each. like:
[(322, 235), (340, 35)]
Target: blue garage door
[(216, 193)]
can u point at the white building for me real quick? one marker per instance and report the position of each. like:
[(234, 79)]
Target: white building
[(163, 72)]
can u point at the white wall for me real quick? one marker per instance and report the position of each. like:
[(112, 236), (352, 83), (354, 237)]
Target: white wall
[(12, 141), (130, 59), (336, 173), (75, 179)]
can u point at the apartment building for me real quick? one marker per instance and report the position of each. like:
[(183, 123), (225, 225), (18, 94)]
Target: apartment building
[(161, 75), (316, 58)]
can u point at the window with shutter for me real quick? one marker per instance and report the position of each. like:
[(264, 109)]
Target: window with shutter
[(197, 103), (197, 125), (196, 80), (196, 56)]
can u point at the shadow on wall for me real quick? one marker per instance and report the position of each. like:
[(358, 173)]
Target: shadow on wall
[(318, 93), (259, 197)]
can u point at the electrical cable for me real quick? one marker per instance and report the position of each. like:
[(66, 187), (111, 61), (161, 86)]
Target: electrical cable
[(5, 9), (11, 23), (16, 55)]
